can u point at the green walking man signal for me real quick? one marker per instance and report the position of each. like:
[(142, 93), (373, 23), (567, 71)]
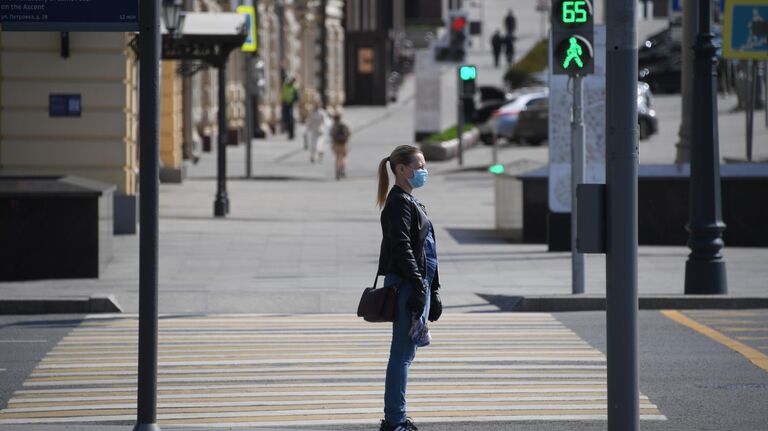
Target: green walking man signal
[(574, 53), (572, 34)]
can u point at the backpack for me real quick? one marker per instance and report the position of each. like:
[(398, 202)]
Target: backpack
[(340, 133)]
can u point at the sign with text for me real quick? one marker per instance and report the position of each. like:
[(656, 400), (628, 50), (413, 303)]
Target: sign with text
[(69, 15)]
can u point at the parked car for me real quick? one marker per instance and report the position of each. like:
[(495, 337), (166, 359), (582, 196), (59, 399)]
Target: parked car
[(533, 122), (646, 115), (660, 60), (504, 120), (491, 99)]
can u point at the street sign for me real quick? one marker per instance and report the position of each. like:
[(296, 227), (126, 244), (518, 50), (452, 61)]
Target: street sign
[(64, 105), (746, 29), (251, 42), (88, 15), (572, 35)]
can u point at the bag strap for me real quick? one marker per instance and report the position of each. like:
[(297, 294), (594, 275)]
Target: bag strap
[(375, 280)]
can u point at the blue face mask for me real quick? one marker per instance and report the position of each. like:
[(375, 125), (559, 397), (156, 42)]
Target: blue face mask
[(419, 178)]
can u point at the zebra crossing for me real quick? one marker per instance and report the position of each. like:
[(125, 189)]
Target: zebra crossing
[(317, 370)]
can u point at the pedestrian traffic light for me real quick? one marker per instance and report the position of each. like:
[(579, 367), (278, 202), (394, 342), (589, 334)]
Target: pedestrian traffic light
[(455, 50), (572, 35), (467, 75)]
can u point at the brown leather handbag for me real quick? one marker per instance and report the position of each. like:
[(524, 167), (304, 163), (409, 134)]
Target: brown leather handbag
[(378, 305)]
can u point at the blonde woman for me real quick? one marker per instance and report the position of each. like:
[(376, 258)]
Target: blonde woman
[(408, 258)]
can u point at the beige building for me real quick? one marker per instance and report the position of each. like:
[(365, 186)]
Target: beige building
[(101, 143)]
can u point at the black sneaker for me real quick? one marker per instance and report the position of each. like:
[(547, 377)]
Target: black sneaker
[(405, 426)]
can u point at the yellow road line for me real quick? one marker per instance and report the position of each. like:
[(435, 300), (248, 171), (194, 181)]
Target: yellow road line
[(737, 329), (755, 356)]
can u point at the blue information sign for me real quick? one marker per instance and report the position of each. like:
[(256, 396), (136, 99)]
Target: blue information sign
[(69, 15), (64, 105), (746, 29)]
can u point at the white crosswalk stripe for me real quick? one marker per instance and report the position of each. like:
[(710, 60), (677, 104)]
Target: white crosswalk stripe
[(318, 370)]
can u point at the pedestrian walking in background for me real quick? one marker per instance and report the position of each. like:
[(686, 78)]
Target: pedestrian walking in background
[(496, 42), (340, 139), (408, 259), (509, 48), (289, 96), (510, 23), (317, 127)]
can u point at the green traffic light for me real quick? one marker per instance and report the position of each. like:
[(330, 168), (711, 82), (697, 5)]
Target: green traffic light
[(574, 54), (496, 169), (467, 72)]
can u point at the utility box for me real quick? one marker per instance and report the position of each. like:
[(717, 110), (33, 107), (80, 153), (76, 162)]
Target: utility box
[(54, 227)]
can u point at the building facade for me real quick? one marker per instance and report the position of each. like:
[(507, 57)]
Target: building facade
[(100, 71)]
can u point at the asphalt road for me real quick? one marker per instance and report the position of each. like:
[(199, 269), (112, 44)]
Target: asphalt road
[(696, 382)]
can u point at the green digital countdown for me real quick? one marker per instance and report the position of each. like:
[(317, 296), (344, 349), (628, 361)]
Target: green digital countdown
[(574, 12), (572, 34), (467, 72)]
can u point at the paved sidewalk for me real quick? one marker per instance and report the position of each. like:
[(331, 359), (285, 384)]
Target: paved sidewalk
[(298, 241)]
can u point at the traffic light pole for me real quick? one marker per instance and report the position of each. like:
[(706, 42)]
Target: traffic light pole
[(460, 130), (621, 213), (149, 118), (249, 120), (578, 167)]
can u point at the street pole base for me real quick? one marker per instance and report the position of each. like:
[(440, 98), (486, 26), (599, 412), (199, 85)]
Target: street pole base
[(220, 207), (705, 277), (146, 427)]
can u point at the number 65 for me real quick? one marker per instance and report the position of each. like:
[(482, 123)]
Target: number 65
[(574, 12)]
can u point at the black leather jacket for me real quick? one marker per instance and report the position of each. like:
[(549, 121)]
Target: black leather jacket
[(404, 227)]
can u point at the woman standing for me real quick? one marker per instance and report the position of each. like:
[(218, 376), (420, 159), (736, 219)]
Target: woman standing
[(316, 129), (408, 258)]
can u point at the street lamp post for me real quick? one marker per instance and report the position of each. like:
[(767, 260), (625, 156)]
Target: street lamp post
[(221, 204), (705, 268)]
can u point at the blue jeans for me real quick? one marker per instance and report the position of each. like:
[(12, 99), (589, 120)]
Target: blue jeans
[(401, 353)]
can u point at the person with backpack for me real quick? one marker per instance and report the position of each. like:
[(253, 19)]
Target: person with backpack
[(408, 259), (340, 140)]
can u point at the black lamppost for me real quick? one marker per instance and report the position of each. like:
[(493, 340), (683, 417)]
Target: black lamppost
[(212, 49), (172, 16), (221, 203), (705, 268)]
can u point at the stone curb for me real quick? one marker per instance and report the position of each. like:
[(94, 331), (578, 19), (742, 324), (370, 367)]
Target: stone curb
[(77, 305), (559, 303)]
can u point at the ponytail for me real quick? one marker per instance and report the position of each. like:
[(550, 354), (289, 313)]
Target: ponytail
[(381, 197), (402, 155)]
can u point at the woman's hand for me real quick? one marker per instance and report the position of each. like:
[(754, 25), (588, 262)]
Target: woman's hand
[(435, 306)]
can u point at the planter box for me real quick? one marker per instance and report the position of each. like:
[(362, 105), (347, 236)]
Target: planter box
[(54, 227), (446, 150), (662, 206)]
